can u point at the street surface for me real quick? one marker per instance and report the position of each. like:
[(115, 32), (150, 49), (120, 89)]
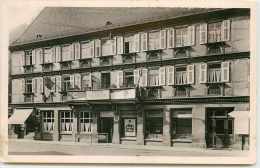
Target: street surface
[(31, 147)]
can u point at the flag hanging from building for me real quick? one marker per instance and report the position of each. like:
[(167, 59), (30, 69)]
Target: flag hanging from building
[(49, 83)]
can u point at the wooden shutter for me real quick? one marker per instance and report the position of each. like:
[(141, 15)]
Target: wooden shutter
[(33, 56), (136, 76), (77, 50), (58, 84), (97, 47), (225, 73), (203, 73), (72, 81), (93, 49), (162, 39), (203, 33), (53, 54), (225, 30), (162, 76), (144, 41), (53, 80), (78, 81), (58, 53), (40, 85), (34, 85), (114, 46), (170, 75), (144, 78), (191, 35), (120, 78), (170, 38), (137, 42), (90, 80), (190, 74), (72, 53), (120, 44)]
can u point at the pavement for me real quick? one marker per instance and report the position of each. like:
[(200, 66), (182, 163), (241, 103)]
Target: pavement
[(33, 147)]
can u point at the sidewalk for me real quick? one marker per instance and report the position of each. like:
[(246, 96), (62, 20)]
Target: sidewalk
[(121, 146)]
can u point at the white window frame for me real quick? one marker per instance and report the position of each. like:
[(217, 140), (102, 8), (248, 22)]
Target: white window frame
[(66, 127), (48, 126), (83, 120)]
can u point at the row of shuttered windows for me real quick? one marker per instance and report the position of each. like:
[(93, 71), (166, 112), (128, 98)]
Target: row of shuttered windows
[(161, 39), (168, 75)]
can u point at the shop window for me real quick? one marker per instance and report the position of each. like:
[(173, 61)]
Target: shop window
[(154, 124), (105, 80), (66, 121), (129, 127), (48, 121), (85, 122), (182, 124), (129, 78)]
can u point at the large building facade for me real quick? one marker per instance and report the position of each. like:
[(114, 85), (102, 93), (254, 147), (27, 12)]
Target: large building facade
[(180, 80)]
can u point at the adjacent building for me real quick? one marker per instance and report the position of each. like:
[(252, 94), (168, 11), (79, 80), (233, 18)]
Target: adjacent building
[(148, 76)]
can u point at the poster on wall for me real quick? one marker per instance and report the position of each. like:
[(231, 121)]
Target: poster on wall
[(130, 127)]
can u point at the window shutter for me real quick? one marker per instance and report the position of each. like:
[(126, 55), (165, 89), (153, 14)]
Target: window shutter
[(191, 35), (120, 79), (144, 41), (120, 44), (72, 55), (78, 81), (170, 75), (72, 81), (170, 38), (203, 73), (136, 76), (114, 46), (58, 53), (162, 76), (137, 42), (97, 46), (190, 74), (144, 77), (33, 56), (225, 71), (90, 80), (34, 85), (225, 30), (53, 51), (40, 85), (77, 50), (162, 39), (58, 83), (203, 33), (53, 80)]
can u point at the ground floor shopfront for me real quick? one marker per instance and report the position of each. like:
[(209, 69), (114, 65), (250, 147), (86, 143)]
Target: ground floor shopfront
[(193, 125)]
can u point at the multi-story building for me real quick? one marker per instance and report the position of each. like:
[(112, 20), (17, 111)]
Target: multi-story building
[(168, 76)]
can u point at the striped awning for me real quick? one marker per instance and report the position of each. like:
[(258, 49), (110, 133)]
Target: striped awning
[(19, 116)]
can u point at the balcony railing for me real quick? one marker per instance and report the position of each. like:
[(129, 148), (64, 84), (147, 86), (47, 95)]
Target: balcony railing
[(181, 78), (214, 75)]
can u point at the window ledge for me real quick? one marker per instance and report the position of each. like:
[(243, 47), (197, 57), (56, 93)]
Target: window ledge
[(128, 138), (182, 47), (154, 50), (129, 54), (182, 140), (85, 59), (67, 61), (184, 84), (153, 140), (215, 83), (215, 43)]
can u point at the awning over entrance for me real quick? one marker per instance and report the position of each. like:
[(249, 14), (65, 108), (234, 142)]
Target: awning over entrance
[(19, 116)]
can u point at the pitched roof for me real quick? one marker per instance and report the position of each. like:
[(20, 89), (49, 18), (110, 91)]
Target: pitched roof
[(56, 22)]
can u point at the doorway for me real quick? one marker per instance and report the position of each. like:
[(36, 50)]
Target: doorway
[(220, 128), (106, 129)]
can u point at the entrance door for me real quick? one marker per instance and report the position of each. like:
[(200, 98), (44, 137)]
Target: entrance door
[(219, 128), (106, 129)]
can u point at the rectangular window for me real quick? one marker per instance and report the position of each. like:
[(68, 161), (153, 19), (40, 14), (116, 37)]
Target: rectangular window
[(182, 124), (154, 40), (180, 76), (129, 79), (129, 127), (107, 47), (28, 86), (129, 44), (28, 57), (48, 121), (85, 122), (181, 37), (87, 50), (105, 80), (214, 73), (66, 83), (66, 121), (66, 53), (154, 124), (48, 55), (86, 82), (153, 77), (214, 32)]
